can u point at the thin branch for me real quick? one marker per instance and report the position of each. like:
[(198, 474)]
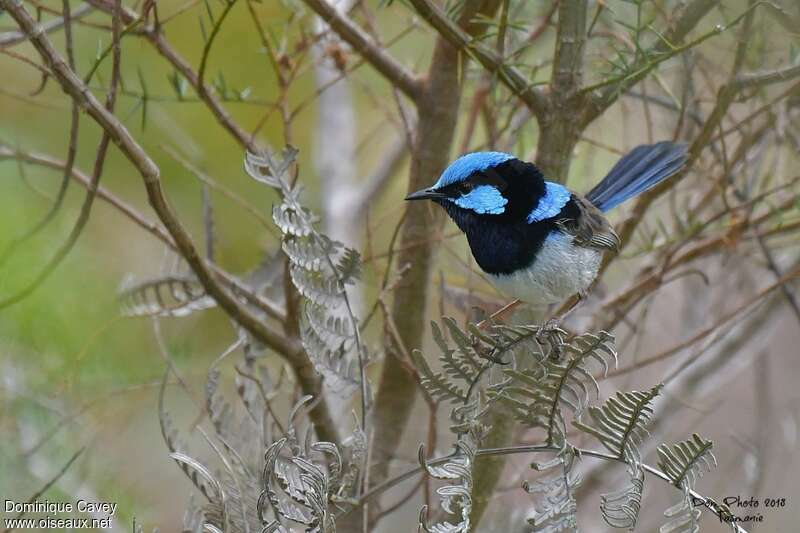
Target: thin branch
[(685, 21), (725, 98), (44, 489), (71, 150), (366, 46), (532, 96), (210, 42), (11, 38), (142, 221), (290, 348), (705, 332), (179, 63), (86, 208), (514, 450), (791, 299), (150, 173)]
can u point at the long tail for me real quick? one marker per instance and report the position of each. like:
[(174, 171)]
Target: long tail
[(642, 168)]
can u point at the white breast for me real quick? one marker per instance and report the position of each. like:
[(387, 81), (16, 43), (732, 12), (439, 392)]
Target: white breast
[(559, 271)]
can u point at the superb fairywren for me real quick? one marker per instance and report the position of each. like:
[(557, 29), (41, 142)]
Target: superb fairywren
[(536, 240)]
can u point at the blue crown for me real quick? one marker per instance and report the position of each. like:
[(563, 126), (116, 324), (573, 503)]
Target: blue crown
[(468, 164)]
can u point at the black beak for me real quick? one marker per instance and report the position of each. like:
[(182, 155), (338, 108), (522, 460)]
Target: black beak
[(425, 194)]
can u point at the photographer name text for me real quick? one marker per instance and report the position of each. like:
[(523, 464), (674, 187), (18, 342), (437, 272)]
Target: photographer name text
[(54, 514)]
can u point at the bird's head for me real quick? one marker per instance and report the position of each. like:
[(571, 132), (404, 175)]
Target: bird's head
[(493, 186)]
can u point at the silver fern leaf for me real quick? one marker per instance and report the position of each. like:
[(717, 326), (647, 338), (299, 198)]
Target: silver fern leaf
[(175, 296), (538, 396), (455, 497), (621, 508), (555, 508), (683, 518), (620, 423), (303, 482), (320, 269), (684, 463)]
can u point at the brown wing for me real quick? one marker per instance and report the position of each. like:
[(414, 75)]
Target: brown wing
[(588, 225)]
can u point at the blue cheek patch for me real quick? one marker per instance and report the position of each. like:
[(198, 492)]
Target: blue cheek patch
[(484, 200), (555, 198)]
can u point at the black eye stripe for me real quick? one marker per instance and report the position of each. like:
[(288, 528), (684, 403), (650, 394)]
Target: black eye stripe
[(485, 177), (489, 177)]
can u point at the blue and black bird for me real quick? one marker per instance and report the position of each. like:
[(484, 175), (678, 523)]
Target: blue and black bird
[(537, 240)]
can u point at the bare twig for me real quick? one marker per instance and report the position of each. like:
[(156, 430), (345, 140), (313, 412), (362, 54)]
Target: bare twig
[(11, 38), (179, 63), (366, 46), (46, 487), (532, 96), (149, 171), (705, 332), (71, 150), (97, 173)]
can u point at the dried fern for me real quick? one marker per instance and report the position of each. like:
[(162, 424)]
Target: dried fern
[(556, 508), (302, 481), (456, 496), (620, 425), (175, 296), (320, 270), (684, 463), (621, 508), (537, 396)]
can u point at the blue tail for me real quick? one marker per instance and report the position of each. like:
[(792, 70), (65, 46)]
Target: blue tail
[(642, 168)]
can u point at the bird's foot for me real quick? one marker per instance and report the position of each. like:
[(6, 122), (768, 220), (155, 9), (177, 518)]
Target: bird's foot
[(551, 338)]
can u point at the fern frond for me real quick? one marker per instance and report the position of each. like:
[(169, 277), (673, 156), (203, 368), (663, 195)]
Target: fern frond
[(460, 363), (320, 269), (555, 508), (174, 446), (218, 409), (506, 339), (168, 296), (686, 461), (304, 252), (456, 497), (301, 480), (317, 287), (621, 508), (620, 423), (265, 168), (330, 360), (356, 446), (349, 266), (292, 221), (683, 518), (334, 330), (539, 396), (437, 384)]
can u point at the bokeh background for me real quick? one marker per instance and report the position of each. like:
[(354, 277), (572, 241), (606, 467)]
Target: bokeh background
[(75, 372)]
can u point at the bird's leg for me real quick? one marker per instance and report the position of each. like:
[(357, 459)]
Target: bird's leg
[(576, 301), (500, 314)]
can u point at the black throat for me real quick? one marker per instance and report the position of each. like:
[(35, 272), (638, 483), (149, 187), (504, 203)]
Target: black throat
[(500, 245), (504, 243)]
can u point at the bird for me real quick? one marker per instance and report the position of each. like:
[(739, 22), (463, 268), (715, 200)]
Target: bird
[(536, 240)]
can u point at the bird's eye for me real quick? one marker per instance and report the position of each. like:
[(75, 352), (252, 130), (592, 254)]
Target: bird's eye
[(465, 187)]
